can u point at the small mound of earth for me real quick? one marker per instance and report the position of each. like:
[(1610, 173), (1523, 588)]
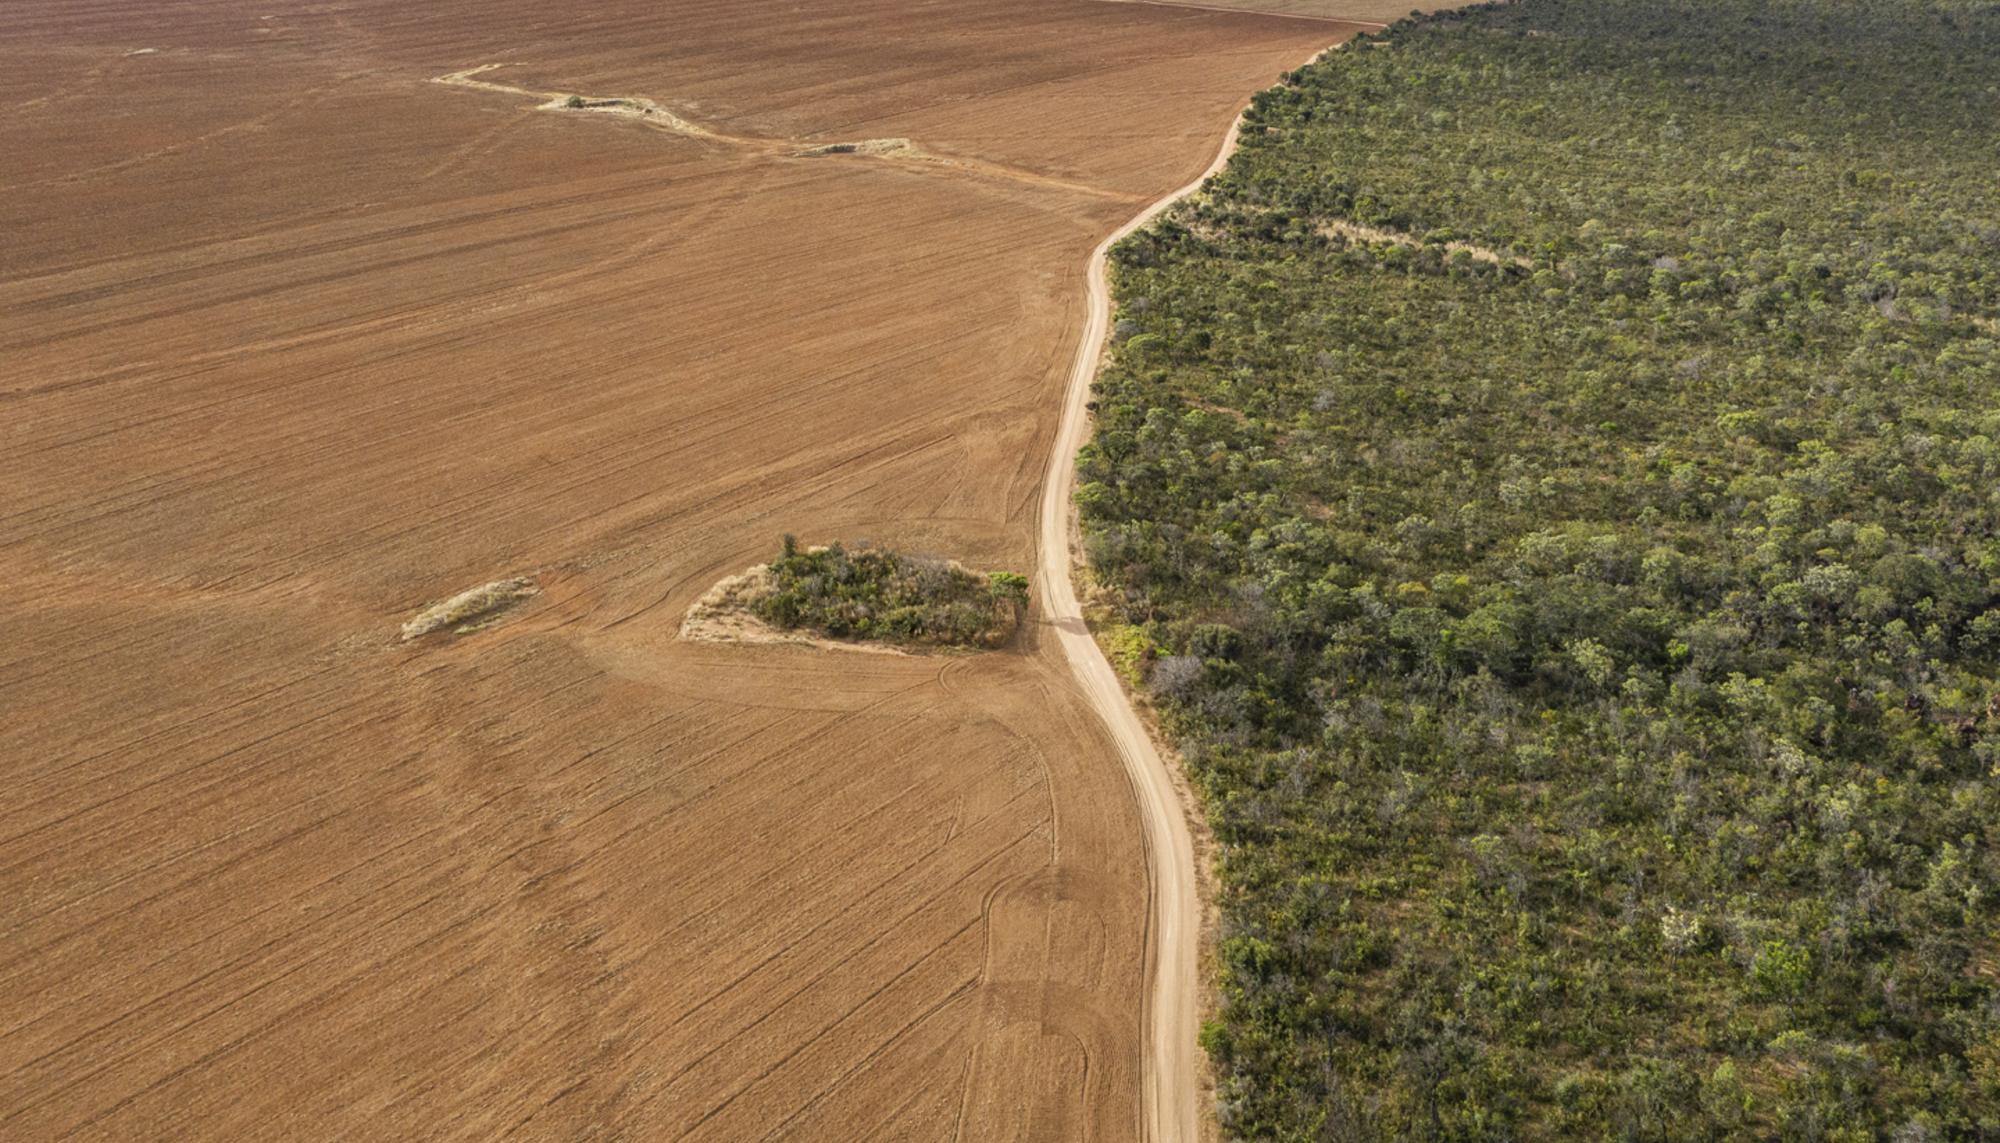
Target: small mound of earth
[(642, 109), (616, 103), (864, 147)]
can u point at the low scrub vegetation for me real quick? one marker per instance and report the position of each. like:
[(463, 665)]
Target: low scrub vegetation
[(873, 593), (471, 609), (1589, 658)]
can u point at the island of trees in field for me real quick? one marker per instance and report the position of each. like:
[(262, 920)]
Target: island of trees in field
[(868, 592), (1551, 482)]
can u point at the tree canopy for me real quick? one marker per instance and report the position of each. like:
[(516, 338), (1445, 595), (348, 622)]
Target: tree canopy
[(1554, 476), (866, 592)]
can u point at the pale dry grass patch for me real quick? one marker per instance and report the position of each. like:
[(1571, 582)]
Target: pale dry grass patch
[(465, 610), (1356, 232)]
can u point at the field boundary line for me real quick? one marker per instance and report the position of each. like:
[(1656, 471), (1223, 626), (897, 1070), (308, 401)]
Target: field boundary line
[(1249, 12), (1170, 1053)]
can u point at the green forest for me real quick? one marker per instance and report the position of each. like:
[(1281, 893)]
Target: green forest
[(1552, 480), (866, 592)]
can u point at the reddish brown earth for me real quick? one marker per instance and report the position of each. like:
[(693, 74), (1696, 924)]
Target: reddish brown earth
[(1367, 12), (294, 341)]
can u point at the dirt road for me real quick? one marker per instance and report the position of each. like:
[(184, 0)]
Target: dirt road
[(1171, 1064), (296, 342)]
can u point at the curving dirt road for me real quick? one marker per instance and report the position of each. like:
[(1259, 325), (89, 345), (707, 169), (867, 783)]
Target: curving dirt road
[(1171, 1054), (296, 341)]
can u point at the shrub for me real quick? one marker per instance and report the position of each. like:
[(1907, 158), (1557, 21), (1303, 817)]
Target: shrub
[(873, 593)]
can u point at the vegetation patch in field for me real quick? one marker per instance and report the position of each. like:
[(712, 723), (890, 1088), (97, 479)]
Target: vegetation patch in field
[(862, 597), (469, 610), (1583, 624), (874, 593)]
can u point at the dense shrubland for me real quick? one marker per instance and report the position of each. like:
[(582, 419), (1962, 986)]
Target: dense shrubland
[(874, 593), (1591, 667)]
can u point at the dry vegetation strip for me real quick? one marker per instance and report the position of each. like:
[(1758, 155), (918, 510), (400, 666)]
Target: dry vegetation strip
[(470, 608), (652, 114)]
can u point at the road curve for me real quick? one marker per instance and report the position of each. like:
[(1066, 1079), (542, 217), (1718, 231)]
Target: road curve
[(1169, 1104)]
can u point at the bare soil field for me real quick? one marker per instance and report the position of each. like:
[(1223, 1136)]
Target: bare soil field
[(1365, 12), (298, 345)]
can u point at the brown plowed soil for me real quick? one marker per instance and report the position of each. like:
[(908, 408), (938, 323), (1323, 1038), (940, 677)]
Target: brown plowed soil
[(295, 342), (1368, 13)]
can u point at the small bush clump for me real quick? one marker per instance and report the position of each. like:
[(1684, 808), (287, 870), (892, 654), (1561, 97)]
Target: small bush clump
[(873, 593)]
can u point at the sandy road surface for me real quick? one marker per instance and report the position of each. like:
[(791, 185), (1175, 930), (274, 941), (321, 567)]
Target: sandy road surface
[(1173, 1001), (295, 342), (1171, 1079)]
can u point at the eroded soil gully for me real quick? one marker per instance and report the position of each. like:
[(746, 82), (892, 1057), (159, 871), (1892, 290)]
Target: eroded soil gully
[(1171, 1065)]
